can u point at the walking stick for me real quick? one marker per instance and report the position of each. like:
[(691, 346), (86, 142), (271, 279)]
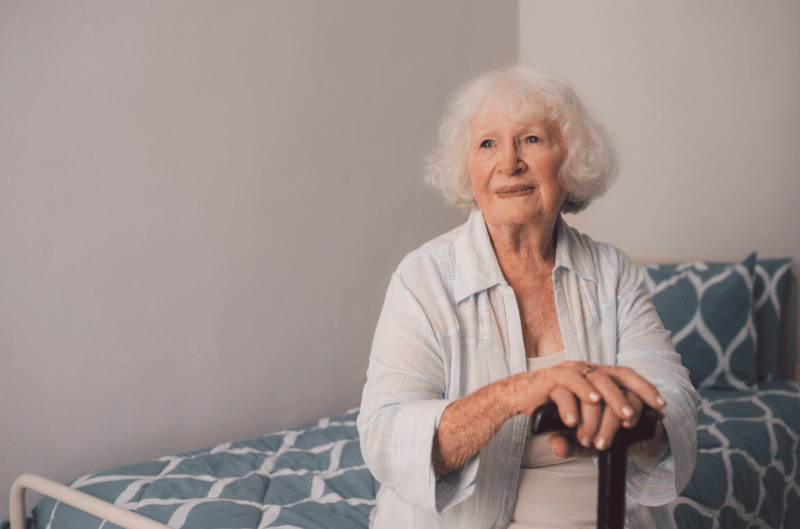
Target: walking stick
[(613, 461)]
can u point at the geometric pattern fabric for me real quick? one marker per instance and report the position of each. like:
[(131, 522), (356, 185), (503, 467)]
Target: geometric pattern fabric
[(748, 469), (312, 476), (709, 310), (769, 291), (724, 317)]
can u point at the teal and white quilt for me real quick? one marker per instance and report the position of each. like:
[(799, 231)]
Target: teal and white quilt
[(312, 476), (748, 451)]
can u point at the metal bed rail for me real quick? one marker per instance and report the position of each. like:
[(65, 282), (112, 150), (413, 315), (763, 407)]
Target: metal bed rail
[(75, 498)]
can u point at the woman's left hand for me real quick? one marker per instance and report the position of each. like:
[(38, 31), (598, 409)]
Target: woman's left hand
[(620, 406)]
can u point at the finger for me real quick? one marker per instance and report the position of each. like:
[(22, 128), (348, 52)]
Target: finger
[(613, 395), (567, 406), (589, 423), (632, 381), (568, 375), (566, 445), (536, 387), (560, 445), (609, 424), (637, 405)]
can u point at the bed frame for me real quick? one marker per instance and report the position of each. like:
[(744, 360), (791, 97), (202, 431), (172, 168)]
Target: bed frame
[(789, 369), (79, 500)]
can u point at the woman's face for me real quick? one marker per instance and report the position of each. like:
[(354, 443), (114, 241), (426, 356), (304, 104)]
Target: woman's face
[(514, 167)]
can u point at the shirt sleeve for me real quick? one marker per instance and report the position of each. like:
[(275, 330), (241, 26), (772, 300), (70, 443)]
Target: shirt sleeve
[(645, 346), (403, 401)]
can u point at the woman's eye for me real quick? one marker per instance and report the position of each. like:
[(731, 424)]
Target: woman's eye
[(533, 139), (485, 144)]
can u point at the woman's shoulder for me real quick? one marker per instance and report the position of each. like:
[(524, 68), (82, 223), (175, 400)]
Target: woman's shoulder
[(438, 252), (434, 258), (603, 256)]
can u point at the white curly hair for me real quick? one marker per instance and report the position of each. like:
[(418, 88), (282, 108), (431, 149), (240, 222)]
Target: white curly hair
[(591, 163)]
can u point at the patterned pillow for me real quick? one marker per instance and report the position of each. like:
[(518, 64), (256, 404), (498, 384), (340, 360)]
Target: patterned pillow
[(769, 290), (708, 307)]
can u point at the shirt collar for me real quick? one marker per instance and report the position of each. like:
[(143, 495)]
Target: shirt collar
[(573, 253), (477, 268)]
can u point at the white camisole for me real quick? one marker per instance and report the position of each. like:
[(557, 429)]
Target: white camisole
[(553, 493)]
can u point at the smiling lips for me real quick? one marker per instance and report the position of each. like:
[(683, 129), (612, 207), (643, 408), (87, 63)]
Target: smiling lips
[(517, 190)]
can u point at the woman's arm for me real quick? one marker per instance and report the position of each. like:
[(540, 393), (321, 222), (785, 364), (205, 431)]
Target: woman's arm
[(469, 423)]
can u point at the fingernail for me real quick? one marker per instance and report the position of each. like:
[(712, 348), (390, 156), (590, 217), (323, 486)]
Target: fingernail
[(660, 400), (627, 411), (594, 397), (586, 442), (571, 419), (601, 443)]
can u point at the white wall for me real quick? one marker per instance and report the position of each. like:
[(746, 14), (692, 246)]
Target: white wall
[(703, 98), (200, 206)]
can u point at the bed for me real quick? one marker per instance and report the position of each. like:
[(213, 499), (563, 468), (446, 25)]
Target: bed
[(735, 326), (733, 323)]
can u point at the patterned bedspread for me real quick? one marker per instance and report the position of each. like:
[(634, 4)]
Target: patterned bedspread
[(314, 476), (747, 463)]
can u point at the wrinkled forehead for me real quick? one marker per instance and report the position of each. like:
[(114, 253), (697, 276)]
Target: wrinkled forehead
[(511, 100), (502, 113), (490, 113)]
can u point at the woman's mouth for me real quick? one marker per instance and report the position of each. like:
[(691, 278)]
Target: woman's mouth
[(515, 190)]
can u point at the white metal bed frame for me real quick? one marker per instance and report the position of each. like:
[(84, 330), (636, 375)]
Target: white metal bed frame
[(75, 498)]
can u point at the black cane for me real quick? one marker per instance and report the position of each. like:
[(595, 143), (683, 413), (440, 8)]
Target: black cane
[(612, 462)]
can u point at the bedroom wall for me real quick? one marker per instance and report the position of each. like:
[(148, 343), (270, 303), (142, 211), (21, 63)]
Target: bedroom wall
[(201, 203), (703, 99)]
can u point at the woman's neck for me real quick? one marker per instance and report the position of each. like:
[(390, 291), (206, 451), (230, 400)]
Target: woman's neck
[(529, 246)]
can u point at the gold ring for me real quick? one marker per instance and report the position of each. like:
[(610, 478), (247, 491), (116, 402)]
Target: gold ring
[(588, 368)]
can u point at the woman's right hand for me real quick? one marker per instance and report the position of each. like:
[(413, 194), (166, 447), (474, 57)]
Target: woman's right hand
[(621, 392)]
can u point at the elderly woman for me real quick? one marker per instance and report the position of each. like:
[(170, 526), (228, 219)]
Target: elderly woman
[(509, 311)]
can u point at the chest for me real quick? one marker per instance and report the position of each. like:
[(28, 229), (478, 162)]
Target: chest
[(485, 341), (541, 333)]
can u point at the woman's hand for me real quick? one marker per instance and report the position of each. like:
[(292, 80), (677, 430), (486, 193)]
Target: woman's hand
[(470, 422), (596, 399), (623, 394)]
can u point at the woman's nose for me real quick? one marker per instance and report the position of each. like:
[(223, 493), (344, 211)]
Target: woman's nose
[(511, 162)]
